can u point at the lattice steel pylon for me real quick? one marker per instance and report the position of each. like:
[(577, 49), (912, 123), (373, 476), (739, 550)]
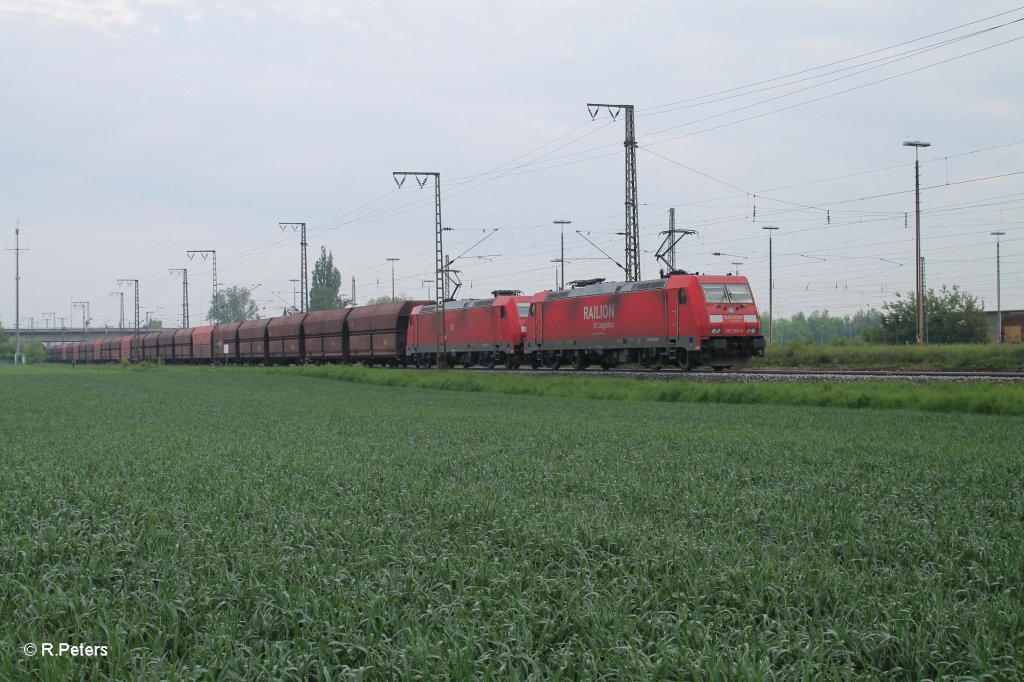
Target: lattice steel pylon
[(304, 291), (671, 259), (632, 205), (84, 305), (134, 283), (120, 294), (213, 301), (184, 294), (440, 271)]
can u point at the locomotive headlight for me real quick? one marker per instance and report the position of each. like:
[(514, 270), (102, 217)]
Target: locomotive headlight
[(752, 330), (716, 330), (750, 319), (716, 318)]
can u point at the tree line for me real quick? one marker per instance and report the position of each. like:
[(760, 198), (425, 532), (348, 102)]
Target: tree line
[(235, 304), (951, 316)]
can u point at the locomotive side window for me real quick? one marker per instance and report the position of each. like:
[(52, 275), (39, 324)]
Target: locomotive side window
[(533, 309), (682, 297), (502, 315)]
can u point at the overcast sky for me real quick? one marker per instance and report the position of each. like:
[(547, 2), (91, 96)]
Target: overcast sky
[(136, 130)]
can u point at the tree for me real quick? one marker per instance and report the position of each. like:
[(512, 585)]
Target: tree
[(324, 294), (6, 346), (153, 324), (387, 299), (951, 316), (33, 351), (821, 327), (232, 305)]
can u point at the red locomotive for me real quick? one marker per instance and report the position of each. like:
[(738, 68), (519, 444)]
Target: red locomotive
[(486, 332), (682, 320)]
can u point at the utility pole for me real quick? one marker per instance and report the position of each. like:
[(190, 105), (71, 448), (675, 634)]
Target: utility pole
[(561, 258), (184, 294), (353, 291), (440, 270), (924, 289), (917, 235), (999, 292), (17, 290), (53, 318), (305, 278), (135, 283), (426, 283), (392, 261), (771, 286), (121, 295), (213, 301), (632, 206), (84, 305)]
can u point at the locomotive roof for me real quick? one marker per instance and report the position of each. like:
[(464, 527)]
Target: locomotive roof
[(608, 288), (470, 303)]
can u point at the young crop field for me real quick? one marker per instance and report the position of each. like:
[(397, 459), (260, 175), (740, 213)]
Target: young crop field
[(246, 524)]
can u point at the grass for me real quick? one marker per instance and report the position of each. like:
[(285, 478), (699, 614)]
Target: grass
[(986, 357), (943, 396), (233, 524)]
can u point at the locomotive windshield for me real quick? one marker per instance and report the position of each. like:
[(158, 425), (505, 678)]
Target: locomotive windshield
[(523, 309), (727, 293)]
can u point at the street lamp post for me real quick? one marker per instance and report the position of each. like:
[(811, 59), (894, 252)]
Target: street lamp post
[(771, 285), (999, 297), (917, 235), (392, 260)]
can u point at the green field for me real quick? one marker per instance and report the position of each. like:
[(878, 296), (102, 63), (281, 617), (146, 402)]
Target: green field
[(973, 357), (246, 524)]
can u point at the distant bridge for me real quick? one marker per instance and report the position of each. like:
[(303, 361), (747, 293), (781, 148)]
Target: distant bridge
[(58, 335)]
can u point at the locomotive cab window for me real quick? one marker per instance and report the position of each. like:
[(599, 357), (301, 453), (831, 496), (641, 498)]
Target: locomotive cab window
[(715, 293), (524, 309), (502, 314), (727, 293), (682, 297), (533, 309), (739, 293)]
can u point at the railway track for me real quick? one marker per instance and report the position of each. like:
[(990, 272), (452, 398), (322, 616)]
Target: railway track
[(781, 375)]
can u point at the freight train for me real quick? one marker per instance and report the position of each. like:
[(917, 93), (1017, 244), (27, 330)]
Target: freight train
[(681, 320)]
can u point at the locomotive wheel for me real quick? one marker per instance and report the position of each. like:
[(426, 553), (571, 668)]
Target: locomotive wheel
[(554, 362), (510, 362), (579, 362), (534, 362)]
